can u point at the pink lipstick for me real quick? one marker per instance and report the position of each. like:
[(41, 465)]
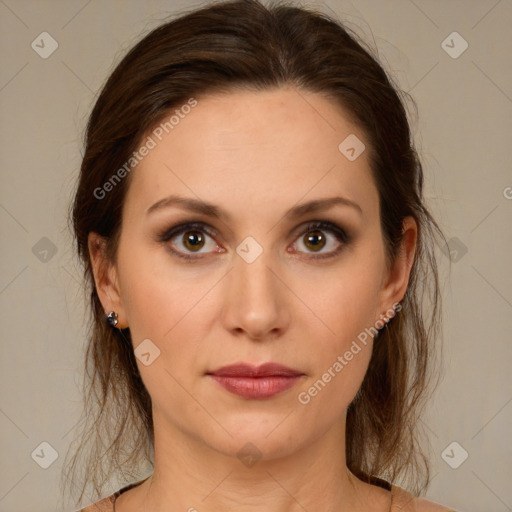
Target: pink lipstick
[(256, 382)]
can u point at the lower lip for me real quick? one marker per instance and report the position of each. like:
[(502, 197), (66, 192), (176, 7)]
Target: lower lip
[(256, 387)]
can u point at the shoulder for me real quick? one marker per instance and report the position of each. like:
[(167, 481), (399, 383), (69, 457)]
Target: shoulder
[(105, 505), (404, 501)]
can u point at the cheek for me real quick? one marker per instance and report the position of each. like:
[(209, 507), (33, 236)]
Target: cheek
[(154, 295), (161, 309), (345, 299), (165, 306), (343, 348)]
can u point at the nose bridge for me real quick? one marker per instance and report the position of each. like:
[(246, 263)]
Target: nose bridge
[(255, 276)]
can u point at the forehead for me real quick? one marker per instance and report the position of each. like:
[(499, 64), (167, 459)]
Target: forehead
[(253, 149)]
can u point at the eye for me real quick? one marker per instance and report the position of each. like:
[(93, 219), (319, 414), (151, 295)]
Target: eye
[(313, 238), (187, 241), (190, 239)]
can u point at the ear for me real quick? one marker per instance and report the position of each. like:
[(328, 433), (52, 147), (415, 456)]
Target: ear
[(105, 278), (394, 284)]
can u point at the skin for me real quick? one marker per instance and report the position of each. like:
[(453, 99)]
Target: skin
[(254, 154)]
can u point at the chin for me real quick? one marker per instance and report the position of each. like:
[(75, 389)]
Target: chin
[(258, 437)]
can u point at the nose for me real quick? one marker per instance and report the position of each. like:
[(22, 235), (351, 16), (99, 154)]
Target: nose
[(256, 300)]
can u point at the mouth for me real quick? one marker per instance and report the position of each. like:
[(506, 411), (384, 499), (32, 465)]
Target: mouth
[(256, 382)]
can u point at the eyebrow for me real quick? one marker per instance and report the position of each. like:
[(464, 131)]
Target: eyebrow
[(209, 209)]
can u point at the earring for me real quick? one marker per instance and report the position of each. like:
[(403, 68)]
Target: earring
[(112, 319)]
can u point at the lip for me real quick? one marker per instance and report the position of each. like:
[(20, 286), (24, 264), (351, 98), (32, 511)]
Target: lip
[(263, 370), (256, 382)]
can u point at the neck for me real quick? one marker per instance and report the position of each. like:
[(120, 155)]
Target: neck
[(191, 476)]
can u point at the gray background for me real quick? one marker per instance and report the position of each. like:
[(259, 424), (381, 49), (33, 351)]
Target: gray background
[(463, 133)]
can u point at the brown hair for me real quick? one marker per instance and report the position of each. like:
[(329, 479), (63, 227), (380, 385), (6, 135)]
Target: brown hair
[(243, 44)]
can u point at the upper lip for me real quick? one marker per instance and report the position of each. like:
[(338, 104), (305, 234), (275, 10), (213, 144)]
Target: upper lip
[(248, 370)]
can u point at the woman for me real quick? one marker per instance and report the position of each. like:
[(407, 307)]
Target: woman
[(250, 217)]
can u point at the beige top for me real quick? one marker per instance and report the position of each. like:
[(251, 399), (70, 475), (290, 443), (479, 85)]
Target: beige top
[(401, 501)]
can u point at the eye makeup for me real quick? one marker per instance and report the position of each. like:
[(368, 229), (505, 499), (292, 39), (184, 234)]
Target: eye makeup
[(311, 228)]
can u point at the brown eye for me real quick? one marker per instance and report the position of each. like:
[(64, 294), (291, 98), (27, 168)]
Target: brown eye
[(314, 240), (193, 240), (190, 241), (324, 238)]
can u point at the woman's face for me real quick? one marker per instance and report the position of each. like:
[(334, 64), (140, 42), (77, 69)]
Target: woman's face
[(251, 286)]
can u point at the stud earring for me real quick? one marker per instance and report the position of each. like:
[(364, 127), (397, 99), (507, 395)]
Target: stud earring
[(112, 319)]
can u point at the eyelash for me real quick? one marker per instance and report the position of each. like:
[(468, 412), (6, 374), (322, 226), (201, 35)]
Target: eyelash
[(339, 233)]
